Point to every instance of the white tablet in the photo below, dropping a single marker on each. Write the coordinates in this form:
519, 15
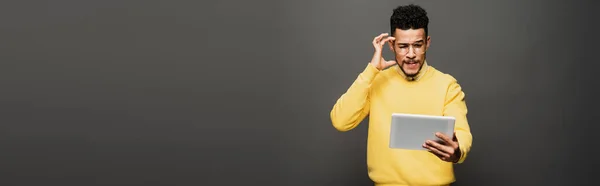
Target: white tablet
410, 131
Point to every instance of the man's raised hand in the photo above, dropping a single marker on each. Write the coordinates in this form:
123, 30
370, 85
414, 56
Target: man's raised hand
377, 61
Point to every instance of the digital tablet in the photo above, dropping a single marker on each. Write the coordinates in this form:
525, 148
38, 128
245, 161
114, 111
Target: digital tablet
410, 131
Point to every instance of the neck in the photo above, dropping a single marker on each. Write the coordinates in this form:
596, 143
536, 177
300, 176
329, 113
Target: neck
415, 77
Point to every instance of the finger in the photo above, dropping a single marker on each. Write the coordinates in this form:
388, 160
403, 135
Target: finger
436, 151
443, 148
390, 39
386, 40
378, 38
443, 137
381, 36
389, 63
438, 155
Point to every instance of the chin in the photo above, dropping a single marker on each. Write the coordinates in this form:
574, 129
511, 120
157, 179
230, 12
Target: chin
411, 74
411, 71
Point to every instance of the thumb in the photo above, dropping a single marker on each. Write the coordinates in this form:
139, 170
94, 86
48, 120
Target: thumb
390, 63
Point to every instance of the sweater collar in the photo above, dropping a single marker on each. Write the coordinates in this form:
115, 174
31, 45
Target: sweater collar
419, 74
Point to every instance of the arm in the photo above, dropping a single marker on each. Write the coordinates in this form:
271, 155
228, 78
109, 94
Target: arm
455, 106
353, 106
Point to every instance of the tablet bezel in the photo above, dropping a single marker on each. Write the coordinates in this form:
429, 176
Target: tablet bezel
410, 131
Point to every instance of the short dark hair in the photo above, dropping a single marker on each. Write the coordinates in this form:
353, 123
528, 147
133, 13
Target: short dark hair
409, 17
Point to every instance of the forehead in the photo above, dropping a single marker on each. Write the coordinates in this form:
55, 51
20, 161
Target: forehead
409, 36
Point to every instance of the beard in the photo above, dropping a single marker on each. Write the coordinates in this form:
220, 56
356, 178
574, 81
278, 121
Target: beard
410, 61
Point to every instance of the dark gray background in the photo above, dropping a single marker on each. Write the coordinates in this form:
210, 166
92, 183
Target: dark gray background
239, 92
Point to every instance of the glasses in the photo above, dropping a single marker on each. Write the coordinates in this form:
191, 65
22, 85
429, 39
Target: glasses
416, 48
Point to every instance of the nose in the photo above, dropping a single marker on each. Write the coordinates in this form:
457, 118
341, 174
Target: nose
411, 53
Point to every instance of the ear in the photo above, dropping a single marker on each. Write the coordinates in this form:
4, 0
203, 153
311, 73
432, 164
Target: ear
428, 43
391, 44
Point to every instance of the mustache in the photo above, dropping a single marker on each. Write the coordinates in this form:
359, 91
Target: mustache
410, 61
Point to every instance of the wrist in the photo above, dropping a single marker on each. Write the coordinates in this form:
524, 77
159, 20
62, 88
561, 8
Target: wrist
374, 66
376, 60
457, 154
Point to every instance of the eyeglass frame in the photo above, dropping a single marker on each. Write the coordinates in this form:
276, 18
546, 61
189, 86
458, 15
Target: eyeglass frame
411, 46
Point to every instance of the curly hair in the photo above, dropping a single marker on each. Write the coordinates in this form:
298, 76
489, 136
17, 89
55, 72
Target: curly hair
409, 17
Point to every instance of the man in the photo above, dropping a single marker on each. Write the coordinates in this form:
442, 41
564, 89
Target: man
405, 85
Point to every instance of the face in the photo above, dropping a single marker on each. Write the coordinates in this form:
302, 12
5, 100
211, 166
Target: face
409, 49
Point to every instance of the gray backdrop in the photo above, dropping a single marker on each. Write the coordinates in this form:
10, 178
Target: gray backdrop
239, 92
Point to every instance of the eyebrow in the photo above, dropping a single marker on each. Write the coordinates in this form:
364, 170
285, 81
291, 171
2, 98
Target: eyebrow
419, 41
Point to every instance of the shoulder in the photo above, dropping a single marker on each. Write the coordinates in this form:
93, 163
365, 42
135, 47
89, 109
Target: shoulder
448, 82
443, 77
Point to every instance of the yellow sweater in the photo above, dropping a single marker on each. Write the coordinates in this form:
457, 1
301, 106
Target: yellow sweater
378, 94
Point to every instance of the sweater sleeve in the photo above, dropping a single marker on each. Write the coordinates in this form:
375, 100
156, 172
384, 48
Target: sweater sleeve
455, 106
353, 106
